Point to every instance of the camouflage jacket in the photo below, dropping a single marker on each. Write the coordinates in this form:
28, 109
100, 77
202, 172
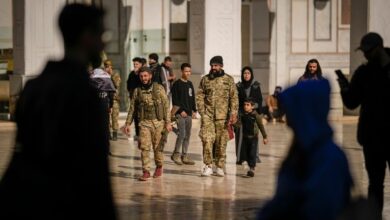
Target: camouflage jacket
116, 79
149, 101
217, 97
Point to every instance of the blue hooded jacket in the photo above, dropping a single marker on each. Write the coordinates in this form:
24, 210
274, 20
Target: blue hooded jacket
314, 181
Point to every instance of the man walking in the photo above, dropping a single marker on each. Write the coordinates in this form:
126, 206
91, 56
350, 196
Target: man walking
370, 88
133, 81
151, 104
217, 101
183, 98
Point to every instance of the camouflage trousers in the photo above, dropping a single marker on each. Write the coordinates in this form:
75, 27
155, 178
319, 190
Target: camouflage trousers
114, 116
214, 133
150, 135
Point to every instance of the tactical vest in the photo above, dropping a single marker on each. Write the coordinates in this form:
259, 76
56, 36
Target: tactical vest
150, 109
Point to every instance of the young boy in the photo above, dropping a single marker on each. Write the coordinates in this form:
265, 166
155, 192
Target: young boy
183, 100
251, 123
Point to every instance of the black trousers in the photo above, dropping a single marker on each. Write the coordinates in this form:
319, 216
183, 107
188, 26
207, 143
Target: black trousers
249, 150
377, 158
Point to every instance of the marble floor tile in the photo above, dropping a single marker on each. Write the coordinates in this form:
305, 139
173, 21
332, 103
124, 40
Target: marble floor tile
181, 193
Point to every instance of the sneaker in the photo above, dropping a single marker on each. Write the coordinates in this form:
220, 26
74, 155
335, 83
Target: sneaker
158, 172
220, 172
176, 158
187, 160
145, 176
245, 165
207, 171
251, 172
214, 168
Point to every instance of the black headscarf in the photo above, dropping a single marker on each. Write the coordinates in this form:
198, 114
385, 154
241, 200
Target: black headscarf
247, 84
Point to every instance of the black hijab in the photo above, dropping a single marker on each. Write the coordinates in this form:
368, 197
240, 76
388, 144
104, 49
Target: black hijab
247, 84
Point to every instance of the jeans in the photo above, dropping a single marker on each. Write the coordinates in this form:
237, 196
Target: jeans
184, 125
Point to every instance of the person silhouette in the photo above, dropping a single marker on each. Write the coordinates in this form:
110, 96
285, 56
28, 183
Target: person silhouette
314, 181
59, 167
369, 88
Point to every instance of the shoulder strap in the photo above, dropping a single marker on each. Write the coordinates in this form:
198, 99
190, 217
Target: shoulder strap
137, 94
155, 94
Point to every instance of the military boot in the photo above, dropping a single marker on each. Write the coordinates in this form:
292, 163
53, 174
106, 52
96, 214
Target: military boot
158, 172
176, 158
186, 160
145, 176
114, 135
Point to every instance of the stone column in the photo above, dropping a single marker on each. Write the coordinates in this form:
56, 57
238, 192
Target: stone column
36, 39
278, 52
215, 29
367, 16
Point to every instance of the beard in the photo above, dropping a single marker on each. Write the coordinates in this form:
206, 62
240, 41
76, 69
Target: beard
146, 84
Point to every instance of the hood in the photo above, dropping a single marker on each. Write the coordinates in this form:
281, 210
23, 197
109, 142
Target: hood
102, 81
307, 106
99, 73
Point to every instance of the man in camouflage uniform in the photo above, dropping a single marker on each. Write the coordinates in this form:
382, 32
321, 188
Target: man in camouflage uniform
152, 107
116, 79
217, 101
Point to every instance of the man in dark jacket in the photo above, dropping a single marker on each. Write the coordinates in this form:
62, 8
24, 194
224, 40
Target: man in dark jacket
59, 168
370, 89
133, 80
156, 68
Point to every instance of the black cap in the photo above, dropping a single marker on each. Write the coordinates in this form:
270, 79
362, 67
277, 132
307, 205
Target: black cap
370, 41
216, 60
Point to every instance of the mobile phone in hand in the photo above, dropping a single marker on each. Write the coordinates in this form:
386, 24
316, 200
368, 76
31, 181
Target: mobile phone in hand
339, 74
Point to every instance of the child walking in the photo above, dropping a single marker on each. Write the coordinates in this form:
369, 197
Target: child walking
251, 123
184, 102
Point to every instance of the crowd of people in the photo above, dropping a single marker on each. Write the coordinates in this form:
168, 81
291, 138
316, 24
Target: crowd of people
52, 176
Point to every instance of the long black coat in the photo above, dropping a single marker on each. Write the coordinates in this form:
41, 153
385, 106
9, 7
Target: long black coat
255, 94
59, 169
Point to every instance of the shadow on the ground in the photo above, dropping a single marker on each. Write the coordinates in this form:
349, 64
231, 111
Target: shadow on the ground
149, 206
138, 170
